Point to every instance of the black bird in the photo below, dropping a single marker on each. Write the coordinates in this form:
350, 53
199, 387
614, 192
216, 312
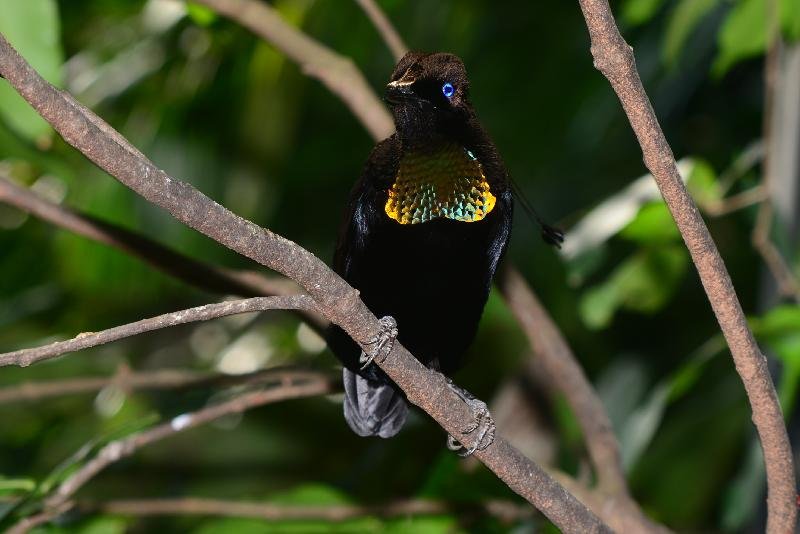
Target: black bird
424, 230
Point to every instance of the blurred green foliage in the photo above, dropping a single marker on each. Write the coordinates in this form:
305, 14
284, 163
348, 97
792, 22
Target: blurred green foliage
224, 111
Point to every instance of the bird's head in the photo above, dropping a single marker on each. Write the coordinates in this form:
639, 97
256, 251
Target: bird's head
428, 95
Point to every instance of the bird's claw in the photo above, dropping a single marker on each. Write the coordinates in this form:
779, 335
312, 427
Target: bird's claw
381, 345
482, 424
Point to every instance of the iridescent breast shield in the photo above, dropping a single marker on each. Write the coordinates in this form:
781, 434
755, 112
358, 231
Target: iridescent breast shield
447, 182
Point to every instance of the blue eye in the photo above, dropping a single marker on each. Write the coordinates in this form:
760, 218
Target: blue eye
448, 90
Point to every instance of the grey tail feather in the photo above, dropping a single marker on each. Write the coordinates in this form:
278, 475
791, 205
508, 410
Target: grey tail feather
373, 408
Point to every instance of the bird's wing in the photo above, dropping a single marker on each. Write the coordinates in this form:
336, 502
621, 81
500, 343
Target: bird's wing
363, 216
482, 146
365, 207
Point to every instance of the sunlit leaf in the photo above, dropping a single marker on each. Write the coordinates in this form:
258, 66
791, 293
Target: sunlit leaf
201, 15
643, 283
424, 525
703, 184
743, 495
743, 35
642, 424
637, 12
597, 306
585, 264
682, 21
318, 494
32, 27
103, 525
790, 19
779, 329
652, 225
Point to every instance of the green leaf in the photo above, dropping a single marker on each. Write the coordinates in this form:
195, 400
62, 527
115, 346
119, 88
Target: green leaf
104, 525
16, 485
641, 425
777, 322
200, 15
653, 225
424, 525
585, 264
33, 28
74, 462
790, 19
684, 18
637, 12
597, 306
703, 184
741, 499
743, 35
643, 283
779, 329
316, 494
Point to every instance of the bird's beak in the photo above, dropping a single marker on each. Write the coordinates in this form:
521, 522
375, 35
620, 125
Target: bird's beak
400, 90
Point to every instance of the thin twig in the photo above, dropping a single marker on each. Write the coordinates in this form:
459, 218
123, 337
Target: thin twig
128, 380
615, 59
506, 511
561, 366
335, 299
754, 195
385, 28
337, 72
25, 357
201, 275
27, 524
788, 284
611, 500
287, 388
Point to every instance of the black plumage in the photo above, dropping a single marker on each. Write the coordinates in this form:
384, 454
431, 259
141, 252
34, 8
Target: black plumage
427, 255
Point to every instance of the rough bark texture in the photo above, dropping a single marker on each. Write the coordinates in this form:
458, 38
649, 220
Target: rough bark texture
336, 300
614, 58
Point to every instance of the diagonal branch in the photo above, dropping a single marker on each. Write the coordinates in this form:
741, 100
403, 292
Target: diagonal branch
591, 422
130, 380
615, 59
611, 499
335, 299
336, 72
25, 357
287, 387
385, 28
556, 357
504, 510
202, 275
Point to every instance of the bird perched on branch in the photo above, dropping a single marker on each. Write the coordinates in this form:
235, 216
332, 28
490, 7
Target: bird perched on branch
424, 230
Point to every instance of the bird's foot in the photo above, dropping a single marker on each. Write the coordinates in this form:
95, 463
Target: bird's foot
380, 345
482, 426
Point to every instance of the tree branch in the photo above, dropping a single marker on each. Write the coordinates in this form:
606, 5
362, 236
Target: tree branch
266, 27
614, 58
27, 524
129, 380
561, 366
610, 500
504, 510
385, 28
199, 274
336, 72
85, 340
288, 387
336, 300
775, 142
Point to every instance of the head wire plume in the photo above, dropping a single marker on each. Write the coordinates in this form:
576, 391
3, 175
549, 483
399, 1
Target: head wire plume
550, 234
